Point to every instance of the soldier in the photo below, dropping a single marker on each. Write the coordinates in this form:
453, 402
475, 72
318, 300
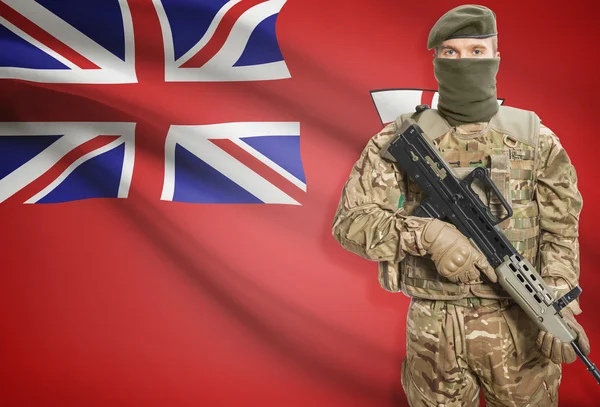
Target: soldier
463, 330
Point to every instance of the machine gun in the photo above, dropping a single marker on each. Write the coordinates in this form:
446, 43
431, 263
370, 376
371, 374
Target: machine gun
454, 200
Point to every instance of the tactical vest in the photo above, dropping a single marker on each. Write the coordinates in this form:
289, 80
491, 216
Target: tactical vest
508, 147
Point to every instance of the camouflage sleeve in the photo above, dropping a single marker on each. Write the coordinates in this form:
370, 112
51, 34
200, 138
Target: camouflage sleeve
560, 204
368, 220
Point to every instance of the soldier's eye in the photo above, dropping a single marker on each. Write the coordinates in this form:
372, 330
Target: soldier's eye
477, 52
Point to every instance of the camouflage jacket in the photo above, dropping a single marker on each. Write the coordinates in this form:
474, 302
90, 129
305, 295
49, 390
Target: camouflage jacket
370, 221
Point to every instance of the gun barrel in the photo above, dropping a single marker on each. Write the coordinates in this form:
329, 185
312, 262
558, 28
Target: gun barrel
588, 363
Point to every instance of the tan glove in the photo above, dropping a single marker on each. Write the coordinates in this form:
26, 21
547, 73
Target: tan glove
453, 254
562, 352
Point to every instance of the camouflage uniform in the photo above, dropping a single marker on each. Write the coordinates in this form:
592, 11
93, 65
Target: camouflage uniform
461, 336
453, 349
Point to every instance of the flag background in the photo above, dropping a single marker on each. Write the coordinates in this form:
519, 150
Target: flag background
138, 301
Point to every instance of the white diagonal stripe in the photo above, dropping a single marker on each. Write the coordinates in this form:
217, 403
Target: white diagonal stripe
220, 67
38, 165
66, 33
73, 135
240, 33
72, 168
270, 163
36, 43
196, 139
208, 34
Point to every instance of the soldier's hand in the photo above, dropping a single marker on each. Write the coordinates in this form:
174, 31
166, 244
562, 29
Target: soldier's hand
562, 352
453, 254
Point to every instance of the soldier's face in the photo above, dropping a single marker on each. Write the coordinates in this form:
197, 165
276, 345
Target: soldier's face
468, 48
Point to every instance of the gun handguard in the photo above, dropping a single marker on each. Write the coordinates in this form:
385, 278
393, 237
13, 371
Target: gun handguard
454, 200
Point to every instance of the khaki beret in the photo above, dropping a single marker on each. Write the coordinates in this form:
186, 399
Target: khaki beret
467, 21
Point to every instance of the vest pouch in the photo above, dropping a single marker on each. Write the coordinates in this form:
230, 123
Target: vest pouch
421, 279
500, 175
389, 277
523, 229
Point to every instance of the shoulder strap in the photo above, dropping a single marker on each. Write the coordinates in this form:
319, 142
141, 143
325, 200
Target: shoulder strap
400, 119
521, 125
433, 125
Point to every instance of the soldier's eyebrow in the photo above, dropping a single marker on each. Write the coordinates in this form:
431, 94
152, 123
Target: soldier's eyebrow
478, 45
445, 47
